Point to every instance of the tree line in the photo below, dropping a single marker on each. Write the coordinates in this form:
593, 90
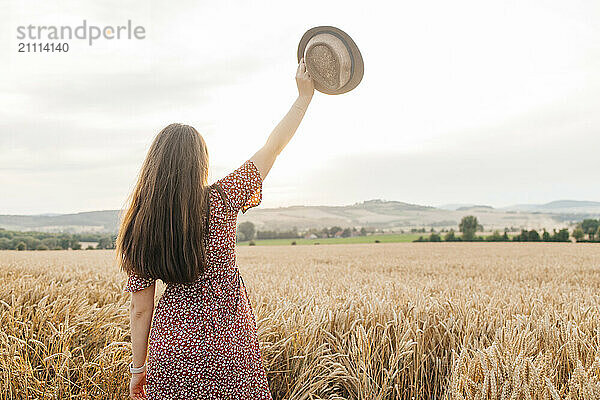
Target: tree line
247, 231
469, 225
586, 231
589, 228
32, 240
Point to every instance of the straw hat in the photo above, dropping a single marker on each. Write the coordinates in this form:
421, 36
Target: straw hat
332, 59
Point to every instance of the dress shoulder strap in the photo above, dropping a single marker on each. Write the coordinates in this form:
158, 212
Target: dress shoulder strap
221, 192
223, 197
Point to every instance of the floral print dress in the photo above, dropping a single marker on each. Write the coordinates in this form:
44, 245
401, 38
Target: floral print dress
203, 341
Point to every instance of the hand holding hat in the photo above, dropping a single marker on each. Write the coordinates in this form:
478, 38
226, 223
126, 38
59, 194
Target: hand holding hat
332, 59
306, 87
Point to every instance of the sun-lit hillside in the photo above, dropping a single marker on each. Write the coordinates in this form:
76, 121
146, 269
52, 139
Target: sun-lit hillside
380, 214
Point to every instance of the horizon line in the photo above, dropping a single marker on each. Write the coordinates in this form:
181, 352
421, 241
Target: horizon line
439, 206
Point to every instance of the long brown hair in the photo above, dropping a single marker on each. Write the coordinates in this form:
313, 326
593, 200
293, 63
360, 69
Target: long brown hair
162, 231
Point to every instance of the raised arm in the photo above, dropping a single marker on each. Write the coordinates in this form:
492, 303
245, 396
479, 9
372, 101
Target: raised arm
283, 132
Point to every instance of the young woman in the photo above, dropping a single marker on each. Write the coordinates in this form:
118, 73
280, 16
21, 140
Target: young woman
201, 339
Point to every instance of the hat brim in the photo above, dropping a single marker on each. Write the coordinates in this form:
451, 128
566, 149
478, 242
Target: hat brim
357, 66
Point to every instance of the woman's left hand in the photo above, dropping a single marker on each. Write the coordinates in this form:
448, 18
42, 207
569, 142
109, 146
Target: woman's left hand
136, 386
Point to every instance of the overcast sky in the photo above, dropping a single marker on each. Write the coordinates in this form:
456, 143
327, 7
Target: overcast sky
461, 102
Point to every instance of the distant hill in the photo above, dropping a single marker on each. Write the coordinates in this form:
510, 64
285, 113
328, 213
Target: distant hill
387, 215
395, 215
94, 221
454, 207
474, 208
560, 207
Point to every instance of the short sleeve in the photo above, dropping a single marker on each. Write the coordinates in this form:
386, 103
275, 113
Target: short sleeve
136, 283
243, 187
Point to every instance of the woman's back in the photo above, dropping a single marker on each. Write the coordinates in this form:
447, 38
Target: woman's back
203, 341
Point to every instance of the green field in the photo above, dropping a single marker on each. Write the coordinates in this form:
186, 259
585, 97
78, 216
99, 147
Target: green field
391, 238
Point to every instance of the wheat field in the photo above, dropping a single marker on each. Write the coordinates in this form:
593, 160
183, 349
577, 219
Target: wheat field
361, 321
